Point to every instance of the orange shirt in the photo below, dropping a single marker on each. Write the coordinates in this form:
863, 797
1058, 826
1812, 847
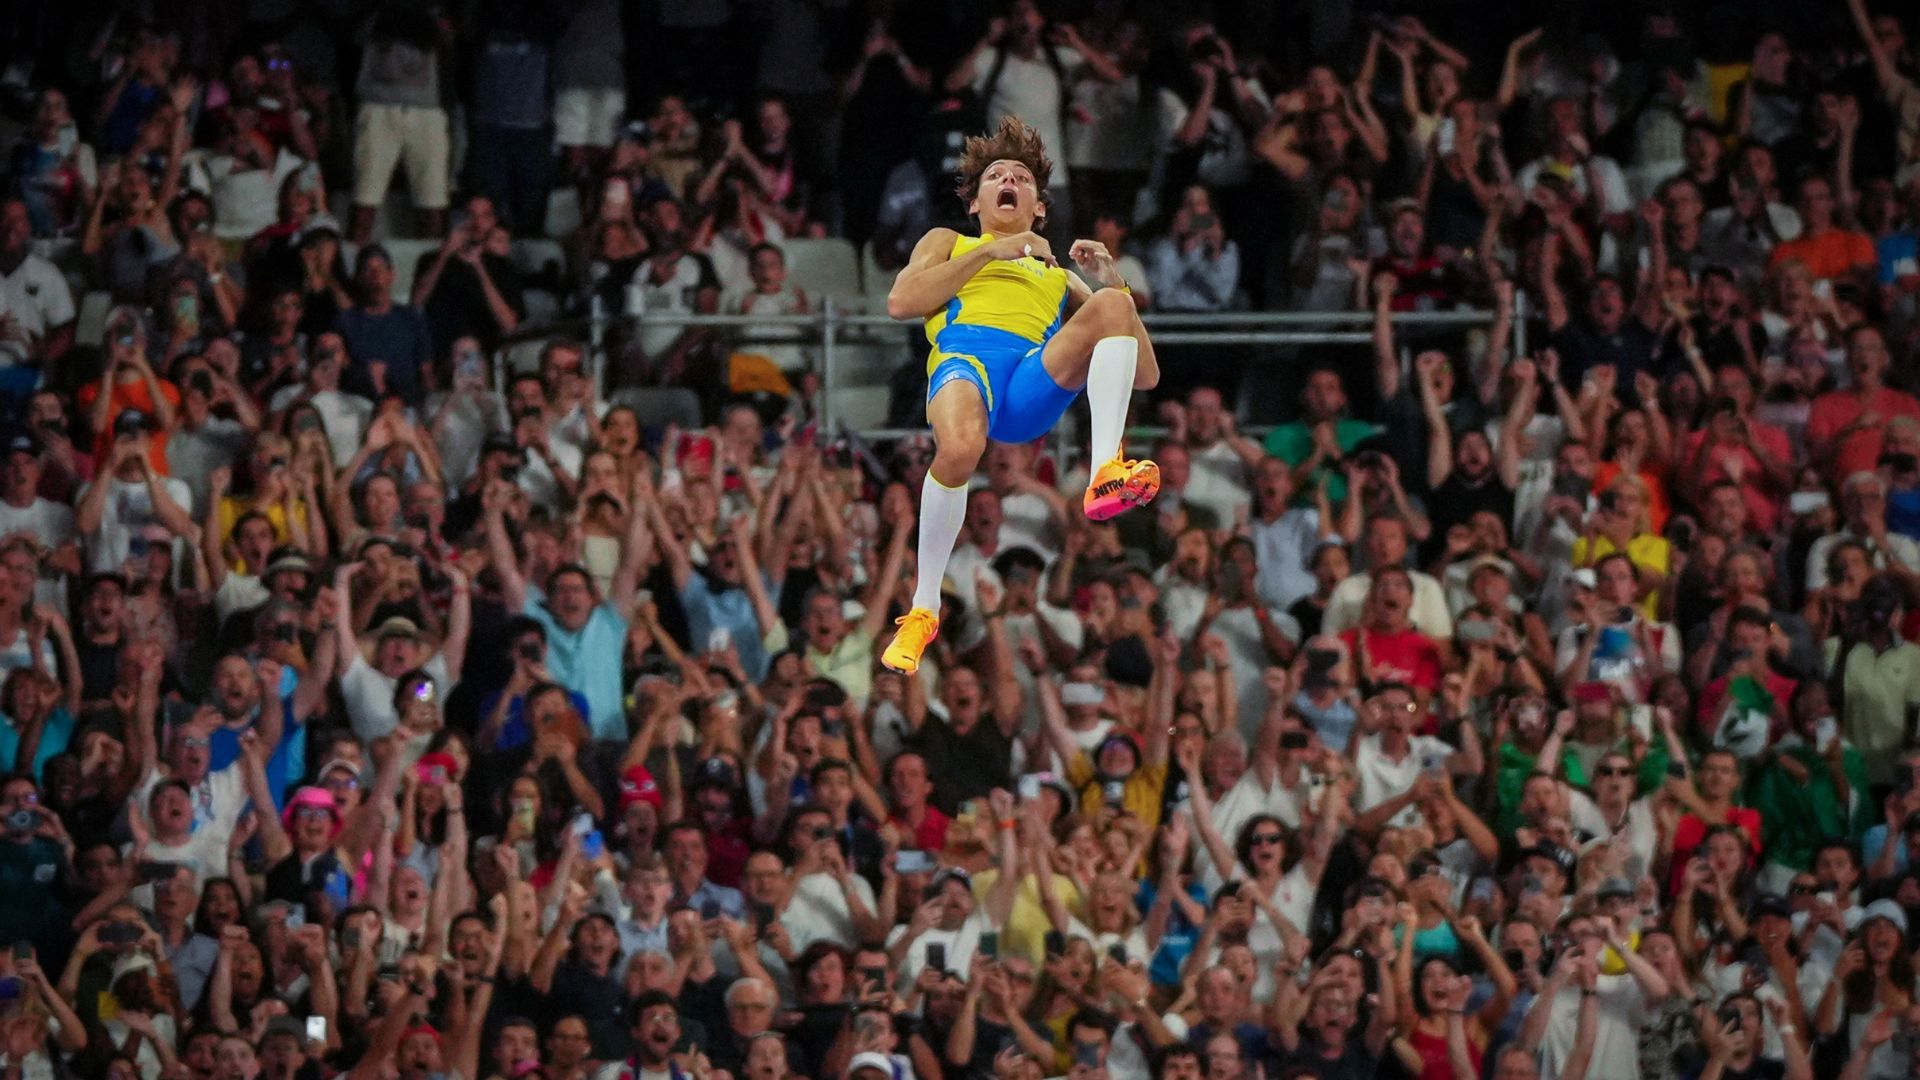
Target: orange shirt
1830, 255
1657, 505
129, 395
1859, 449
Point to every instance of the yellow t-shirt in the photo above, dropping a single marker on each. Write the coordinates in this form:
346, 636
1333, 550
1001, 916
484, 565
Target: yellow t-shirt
1645, 550
1026, 931
234, 507
1140, 795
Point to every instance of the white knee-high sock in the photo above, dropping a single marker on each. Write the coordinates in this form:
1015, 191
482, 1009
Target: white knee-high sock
942, 509
1109, 389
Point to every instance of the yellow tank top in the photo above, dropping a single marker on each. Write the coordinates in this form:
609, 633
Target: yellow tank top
1025, 297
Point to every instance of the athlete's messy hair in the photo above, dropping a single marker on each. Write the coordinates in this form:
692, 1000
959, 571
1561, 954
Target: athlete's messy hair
1014, 141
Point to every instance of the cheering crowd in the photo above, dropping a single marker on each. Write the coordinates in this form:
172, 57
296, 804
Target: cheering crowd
1493, 713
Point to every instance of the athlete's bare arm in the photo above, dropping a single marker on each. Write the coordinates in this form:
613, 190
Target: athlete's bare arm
932, 276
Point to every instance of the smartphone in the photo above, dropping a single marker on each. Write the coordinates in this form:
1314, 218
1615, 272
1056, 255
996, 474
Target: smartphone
1056, 943
1118, 953
990, 944
592, 845
317, 1029
912, 862
1825, 730
1293, 740
294, 920
1086, 1055
583, 824
762, 913
719, 639
1677, 770
709, 909
22, 950
1029, 788
1443, 139
937, 956
350, 938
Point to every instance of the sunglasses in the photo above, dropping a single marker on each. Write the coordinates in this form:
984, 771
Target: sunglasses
1263, 839
1803, 890
312, 813
1615, 770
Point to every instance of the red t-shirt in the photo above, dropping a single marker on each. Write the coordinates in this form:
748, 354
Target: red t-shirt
1714, 698
931, 836
1763, 501
1407, 656
1859, 451
1690, 831
130, 395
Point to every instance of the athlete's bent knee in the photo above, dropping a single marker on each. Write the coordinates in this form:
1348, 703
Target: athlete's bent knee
957, 453
1111, 311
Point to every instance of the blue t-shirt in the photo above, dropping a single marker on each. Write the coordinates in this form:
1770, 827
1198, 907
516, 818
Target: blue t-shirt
1335, 723
588, 662
57, 733
398, 339
1179, 939
730, 609
514, 732
289, 761
1898, 255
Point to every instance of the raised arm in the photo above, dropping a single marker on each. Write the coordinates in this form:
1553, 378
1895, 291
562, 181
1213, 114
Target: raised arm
933, 276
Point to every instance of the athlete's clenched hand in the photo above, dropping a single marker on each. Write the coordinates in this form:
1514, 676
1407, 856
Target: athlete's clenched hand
1095, 261
1020, 245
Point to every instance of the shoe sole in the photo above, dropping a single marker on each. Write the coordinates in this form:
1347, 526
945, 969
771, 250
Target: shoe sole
1137, 490
898, 668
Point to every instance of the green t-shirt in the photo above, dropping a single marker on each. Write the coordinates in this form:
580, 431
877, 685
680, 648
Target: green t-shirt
1293, 444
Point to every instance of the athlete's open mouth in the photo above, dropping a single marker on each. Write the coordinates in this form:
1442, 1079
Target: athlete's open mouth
1009, 198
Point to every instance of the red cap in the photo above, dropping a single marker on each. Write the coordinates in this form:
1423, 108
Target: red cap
637, 786
422, 1029
436, 768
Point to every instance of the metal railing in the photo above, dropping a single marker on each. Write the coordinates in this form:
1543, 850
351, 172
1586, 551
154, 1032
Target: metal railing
833, 328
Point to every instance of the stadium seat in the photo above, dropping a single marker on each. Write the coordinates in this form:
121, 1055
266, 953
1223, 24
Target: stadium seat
543, 308
563, 211
860, 408
524, 355
90, 328
827, 267
406, 256
876, 281
657, 407
540, 260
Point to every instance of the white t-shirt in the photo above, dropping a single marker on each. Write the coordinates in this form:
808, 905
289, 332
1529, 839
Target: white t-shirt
819, 911
1030, 90
129, 519
1614, 197
369, 695
345, 416
1381, 778
47, 521
1218, 483
1243, 802
246, 199
960, 945
217, 801
238, 592
1615, 1040
36, 298
1429, 615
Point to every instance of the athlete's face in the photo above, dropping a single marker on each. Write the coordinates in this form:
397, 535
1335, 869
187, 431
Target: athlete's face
1008, 196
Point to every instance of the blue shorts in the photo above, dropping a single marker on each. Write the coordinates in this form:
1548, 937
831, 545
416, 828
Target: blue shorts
1023, 402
